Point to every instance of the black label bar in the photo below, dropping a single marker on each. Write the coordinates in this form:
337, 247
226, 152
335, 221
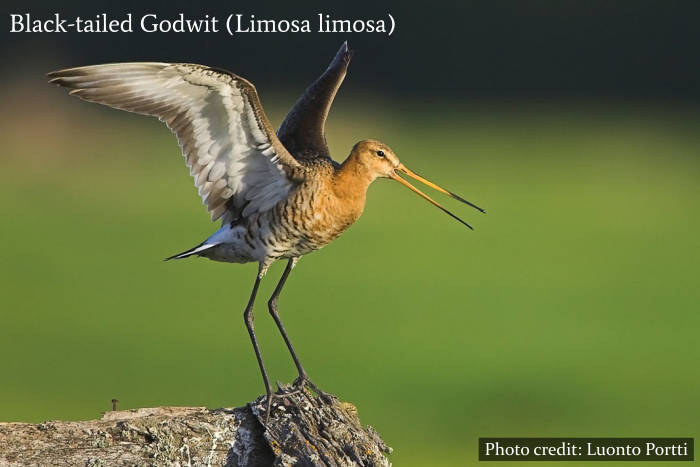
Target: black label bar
586, 449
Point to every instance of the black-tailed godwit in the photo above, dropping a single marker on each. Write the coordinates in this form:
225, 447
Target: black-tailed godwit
279, 196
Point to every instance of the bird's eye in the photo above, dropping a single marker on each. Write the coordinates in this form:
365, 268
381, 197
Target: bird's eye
380, 153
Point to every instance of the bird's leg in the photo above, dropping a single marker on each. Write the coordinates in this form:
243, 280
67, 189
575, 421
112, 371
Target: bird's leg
303, 378
272, 305
248, 318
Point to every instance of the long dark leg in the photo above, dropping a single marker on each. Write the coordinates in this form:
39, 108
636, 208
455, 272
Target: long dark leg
248, 318
272, 305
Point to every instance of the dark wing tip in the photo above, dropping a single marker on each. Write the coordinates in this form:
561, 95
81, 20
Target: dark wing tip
69, 72
65, 77
55, 75
344, 54
59, 81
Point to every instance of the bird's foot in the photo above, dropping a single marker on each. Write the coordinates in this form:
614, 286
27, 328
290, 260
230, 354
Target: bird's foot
303, 382
300, 385
281, 394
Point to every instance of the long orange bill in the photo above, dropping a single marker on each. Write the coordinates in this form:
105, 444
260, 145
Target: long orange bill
412, 174
402, 169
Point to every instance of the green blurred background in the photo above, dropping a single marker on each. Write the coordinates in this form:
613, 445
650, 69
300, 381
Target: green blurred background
571, 310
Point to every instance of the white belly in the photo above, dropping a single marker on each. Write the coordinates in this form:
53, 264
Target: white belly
244, 244
230, 245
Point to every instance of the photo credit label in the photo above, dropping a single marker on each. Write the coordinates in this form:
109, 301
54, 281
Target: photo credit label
587, 449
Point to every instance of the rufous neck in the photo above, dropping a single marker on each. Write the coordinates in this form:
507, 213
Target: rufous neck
352, 179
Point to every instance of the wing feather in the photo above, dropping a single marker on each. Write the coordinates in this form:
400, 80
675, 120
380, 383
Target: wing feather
238, 164
303, 130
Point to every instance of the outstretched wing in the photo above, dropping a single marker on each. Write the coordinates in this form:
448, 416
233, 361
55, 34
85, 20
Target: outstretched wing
238, 163
303, 130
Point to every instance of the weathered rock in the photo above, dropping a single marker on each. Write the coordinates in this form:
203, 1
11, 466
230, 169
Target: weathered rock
302, 430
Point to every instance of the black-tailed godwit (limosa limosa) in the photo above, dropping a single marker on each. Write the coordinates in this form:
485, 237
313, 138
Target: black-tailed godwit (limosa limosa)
279, 196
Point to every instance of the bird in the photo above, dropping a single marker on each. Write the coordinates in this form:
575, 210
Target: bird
279, 195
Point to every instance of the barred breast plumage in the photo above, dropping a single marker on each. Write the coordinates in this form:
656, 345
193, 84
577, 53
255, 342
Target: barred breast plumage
314, 214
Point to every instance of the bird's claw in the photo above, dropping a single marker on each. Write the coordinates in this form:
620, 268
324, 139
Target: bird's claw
300, 385
280, 394
303, 382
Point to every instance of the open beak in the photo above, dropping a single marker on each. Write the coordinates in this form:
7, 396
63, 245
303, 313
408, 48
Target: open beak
404, 170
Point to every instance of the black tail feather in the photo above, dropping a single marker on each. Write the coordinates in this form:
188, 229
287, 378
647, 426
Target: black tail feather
192, 251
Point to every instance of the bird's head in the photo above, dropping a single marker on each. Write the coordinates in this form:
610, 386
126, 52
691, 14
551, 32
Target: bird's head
381, 162
378, 158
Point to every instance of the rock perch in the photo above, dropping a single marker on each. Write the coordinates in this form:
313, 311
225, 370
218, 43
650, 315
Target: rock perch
303, 430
